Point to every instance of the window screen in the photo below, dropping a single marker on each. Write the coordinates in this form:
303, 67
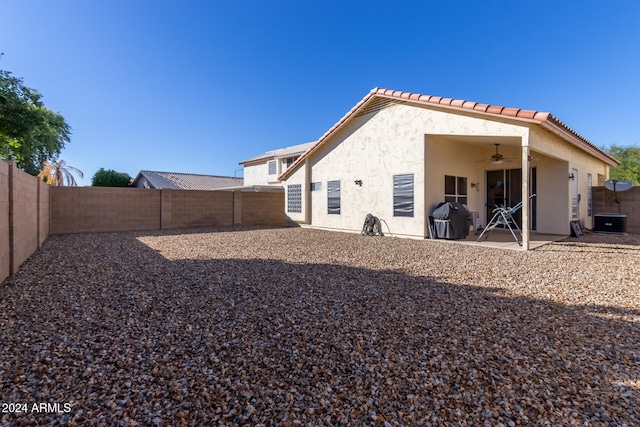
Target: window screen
403, 195
333, 197
272, 167
294, 198
589, 197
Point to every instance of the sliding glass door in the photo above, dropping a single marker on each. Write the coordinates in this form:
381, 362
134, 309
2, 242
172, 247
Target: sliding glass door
504, 188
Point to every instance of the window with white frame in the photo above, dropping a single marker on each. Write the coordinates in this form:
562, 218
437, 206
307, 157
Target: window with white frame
455, 189
288, 162
272, 167
316, 186
403, 195
333, 197
294, 198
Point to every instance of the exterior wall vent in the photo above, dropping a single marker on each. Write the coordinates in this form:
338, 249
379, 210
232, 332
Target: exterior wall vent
378, 105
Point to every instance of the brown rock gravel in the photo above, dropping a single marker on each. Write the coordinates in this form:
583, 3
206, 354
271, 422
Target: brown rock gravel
306, 327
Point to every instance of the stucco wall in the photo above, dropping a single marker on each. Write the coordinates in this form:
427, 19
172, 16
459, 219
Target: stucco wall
258, 174
449, 156
372, 148
394, 140
552, 195
255, 174
555, 188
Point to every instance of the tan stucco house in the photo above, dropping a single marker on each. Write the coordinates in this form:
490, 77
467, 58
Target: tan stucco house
397, 155
265, 168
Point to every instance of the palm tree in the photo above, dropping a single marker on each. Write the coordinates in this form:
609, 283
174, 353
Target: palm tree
59, 174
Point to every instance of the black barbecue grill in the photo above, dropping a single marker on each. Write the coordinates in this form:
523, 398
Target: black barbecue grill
451, 220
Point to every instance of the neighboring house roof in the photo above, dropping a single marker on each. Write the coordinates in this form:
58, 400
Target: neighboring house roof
280, 153
378, 98
185, 181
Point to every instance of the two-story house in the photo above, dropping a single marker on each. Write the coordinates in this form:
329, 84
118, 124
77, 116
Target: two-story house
265, 168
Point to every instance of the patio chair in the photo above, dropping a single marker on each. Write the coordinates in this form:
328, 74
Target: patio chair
503, 216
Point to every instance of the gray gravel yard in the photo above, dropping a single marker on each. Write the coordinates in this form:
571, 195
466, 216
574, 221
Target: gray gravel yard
294, 326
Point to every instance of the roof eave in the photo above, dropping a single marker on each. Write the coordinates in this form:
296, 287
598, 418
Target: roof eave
294, 166
558, 129
544, 119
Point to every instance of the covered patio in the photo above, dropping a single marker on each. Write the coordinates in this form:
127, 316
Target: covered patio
502, 239
498, 170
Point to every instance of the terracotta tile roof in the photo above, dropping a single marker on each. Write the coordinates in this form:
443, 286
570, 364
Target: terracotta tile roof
184, 181
543, 118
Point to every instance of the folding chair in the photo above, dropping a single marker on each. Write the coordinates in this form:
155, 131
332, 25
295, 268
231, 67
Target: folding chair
504, 216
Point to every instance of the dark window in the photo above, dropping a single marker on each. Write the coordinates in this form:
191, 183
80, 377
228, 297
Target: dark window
403, 195
333, 197
316, 186
272, 167
288, 162
455, 189
294, 198
589, 197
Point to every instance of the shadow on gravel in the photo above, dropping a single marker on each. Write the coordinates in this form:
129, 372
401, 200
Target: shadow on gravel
106, 324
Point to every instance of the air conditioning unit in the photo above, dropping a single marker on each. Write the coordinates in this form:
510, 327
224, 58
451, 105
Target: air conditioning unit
609, 223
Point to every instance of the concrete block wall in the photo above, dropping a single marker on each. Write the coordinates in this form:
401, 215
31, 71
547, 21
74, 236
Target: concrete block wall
43, 212
31, 210
604, 201
23, 217
193, 208
5, 249
264, 208
100, 209
103, 209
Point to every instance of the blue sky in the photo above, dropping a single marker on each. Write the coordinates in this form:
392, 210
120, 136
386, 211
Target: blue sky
197, 86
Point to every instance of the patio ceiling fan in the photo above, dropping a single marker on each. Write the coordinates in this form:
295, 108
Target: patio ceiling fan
497, 158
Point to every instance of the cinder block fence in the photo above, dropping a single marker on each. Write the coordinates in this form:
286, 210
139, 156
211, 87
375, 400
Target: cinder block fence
604, 201
24, 217
31, 210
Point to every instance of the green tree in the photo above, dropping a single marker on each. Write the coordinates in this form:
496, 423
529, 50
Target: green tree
110, 178
30, 134
629, 168
59, 173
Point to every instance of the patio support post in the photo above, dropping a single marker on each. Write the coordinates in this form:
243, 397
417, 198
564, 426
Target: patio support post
526, 214
306, 193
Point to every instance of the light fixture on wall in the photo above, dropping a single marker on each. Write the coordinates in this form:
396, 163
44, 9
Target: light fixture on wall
572, 176
358, 182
